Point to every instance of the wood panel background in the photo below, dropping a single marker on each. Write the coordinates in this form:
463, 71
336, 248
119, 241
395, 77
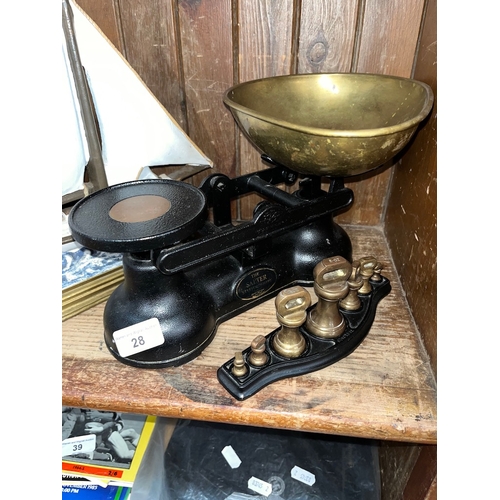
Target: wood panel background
410, 225
411, 214
189, 52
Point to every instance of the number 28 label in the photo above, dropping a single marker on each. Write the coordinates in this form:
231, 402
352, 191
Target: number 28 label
139, 337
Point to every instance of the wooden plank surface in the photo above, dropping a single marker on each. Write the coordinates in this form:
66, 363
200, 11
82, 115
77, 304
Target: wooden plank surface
206, 37
387, 38
383, 390
151, 45
265, 39
327, 36
411, 216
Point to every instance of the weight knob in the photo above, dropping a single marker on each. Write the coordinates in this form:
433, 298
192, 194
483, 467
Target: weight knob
377, 270
291, 312
330, 285
367, 266
352, 302
258, 356
239, 367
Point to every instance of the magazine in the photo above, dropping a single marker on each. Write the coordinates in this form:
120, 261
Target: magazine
95, 492
102, 446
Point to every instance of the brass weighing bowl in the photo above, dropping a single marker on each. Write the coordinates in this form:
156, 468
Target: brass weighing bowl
332, 124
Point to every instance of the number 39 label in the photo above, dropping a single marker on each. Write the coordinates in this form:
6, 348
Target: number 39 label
78, 444
139, 337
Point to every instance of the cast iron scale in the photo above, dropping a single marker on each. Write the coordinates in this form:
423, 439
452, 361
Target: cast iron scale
190, 268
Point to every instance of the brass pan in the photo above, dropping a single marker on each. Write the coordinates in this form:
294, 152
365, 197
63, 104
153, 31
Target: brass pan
332, 124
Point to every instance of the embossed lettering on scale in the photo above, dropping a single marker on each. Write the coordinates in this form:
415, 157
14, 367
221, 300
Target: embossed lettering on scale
255, 283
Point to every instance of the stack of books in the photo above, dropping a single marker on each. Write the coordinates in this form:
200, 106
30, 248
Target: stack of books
88, 277
102, 452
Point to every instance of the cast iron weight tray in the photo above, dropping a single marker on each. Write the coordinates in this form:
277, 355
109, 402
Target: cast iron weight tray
319, 352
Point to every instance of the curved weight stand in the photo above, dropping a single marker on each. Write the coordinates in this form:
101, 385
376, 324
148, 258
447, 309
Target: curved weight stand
318, 354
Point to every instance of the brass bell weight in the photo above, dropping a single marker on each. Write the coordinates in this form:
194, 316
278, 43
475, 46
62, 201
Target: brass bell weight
352, 302
291, 312
331, 286
239, 367
258, 356
367, 268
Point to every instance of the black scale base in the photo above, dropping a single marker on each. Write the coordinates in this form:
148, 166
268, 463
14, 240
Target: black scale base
192, 273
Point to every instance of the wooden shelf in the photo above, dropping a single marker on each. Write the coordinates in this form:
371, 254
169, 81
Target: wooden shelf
383, 390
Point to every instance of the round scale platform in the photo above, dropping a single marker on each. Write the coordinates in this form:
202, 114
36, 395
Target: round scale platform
138, 216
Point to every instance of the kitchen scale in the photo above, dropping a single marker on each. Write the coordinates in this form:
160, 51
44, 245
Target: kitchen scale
188, 266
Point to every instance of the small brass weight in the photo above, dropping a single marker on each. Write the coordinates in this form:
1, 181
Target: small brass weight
352, 302
367, 268
239, 367
291, 306
258, 356
331, 285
